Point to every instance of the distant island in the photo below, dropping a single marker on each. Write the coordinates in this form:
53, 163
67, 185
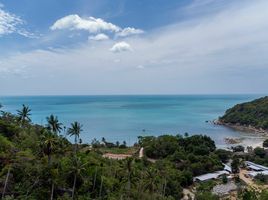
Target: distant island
249, 116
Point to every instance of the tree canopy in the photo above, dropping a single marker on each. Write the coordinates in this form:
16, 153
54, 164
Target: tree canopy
254, 113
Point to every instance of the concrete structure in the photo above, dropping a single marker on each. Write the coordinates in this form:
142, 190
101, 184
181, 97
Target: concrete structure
224, 189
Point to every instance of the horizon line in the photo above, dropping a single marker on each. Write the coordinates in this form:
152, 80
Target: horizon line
160, 94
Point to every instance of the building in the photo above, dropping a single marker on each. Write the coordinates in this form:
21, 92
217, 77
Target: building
253, 174
209, 176
255, 167
205, 177
227, 168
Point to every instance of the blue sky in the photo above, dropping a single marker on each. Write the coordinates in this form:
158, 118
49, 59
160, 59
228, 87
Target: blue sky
133, 47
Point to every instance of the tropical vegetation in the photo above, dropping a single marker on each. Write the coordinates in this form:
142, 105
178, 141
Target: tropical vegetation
40, 162
254, 113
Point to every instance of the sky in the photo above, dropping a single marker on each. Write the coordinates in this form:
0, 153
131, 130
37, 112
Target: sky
104, 47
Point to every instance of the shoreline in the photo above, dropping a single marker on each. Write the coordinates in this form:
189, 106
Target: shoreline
258, 133
243, 128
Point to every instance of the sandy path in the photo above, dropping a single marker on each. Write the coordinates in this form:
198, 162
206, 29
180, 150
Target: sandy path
250, 182
141, 154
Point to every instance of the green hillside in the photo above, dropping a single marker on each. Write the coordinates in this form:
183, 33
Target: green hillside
254, 113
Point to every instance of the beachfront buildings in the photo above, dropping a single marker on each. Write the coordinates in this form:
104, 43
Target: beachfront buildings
256, 169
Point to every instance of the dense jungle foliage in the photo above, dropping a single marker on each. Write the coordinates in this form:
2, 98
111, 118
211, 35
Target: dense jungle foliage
254, 113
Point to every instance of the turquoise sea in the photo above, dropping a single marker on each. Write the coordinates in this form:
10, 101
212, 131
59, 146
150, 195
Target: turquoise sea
125, 117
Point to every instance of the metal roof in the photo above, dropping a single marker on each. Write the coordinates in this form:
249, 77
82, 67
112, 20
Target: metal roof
253, 174
255, 166
209, 176
227, 168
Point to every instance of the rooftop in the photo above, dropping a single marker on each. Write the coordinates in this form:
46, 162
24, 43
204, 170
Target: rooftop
209, 176
253, 174
255, 166
227, 168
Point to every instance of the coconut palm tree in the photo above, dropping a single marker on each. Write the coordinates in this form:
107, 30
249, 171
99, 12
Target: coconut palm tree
54, 173
53, 124
150, 183
9, 162
77, 169
75, 130
129, 172
24, 114
6, 182
49, 142
130, 176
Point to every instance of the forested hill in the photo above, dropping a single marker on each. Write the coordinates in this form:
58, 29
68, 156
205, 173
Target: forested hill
254, 113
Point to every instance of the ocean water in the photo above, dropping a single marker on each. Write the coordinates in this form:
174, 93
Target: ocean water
119, 118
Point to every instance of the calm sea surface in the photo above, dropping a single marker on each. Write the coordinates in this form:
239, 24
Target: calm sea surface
124, 117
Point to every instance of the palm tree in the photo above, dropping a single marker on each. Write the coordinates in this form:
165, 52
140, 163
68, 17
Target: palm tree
75, 130
49, 142
24, 114
53, 124
130, 177
54, 173
8, 161
77, 169
6, 181
129, 172
150, 176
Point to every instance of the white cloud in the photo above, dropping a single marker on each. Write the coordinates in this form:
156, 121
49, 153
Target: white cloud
120, 47
91, 24
99, 37
8, 22
129, 31
215, 54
